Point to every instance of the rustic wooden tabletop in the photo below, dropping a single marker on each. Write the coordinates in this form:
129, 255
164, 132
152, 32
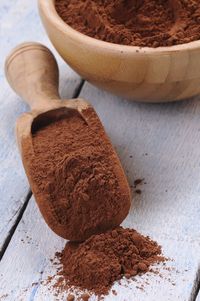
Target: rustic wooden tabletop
160, 143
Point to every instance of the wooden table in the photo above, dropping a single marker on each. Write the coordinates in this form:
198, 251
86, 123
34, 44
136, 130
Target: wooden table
160, 143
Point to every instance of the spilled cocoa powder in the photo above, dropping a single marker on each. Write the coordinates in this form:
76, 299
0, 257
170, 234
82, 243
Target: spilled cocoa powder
70, 297
76, 176
105, 258
151, 23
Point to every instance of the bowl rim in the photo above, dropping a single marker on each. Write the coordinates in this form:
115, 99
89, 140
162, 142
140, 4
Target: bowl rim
47, 7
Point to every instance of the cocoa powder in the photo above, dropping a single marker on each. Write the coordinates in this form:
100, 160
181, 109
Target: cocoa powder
76, 176
142, 23
102, 259
70, 297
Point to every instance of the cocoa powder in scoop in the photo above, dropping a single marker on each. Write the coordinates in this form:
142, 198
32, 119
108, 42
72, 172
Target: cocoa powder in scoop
102, 259
149, 23
75, 176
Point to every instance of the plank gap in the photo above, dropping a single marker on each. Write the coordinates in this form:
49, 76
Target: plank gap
196, 287
14, 227
78, 89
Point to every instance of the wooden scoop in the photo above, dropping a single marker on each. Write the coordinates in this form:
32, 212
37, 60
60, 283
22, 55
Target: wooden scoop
32, 72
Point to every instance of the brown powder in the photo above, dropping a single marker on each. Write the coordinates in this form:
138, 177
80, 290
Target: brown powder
85, 297
138, 182
70, 297
149, 23
102, 259
76, 176
138, 191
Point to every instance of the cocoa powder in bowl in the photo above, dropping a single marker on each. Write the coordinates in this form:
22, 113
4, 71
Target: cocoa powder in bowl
76, 176
143, 23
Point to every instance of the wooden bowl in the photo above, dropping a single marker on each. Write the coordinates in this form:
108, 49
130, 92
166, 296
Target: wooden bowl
141, 74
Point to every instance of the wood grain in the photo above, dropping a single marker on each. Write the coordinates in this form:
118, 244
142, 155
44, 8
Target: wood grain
159, 143
16, 17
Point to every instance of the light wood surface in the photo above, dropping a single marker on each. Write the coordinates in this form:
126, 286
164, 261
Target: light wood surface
32, 72
16, 17
141, 74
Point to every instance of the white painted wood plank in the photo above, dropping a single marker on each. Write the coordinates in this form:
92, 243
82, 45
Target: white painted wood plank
27, 261
19, 21
161, 144
164, 142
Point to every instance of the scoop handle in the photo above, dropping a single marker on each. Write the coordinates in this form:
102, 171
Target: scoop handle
32, 72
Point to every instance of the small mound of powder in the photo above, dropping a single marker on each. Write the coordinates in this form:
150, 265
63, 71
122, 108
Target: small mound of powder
143, 23
104, 258
76, 176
